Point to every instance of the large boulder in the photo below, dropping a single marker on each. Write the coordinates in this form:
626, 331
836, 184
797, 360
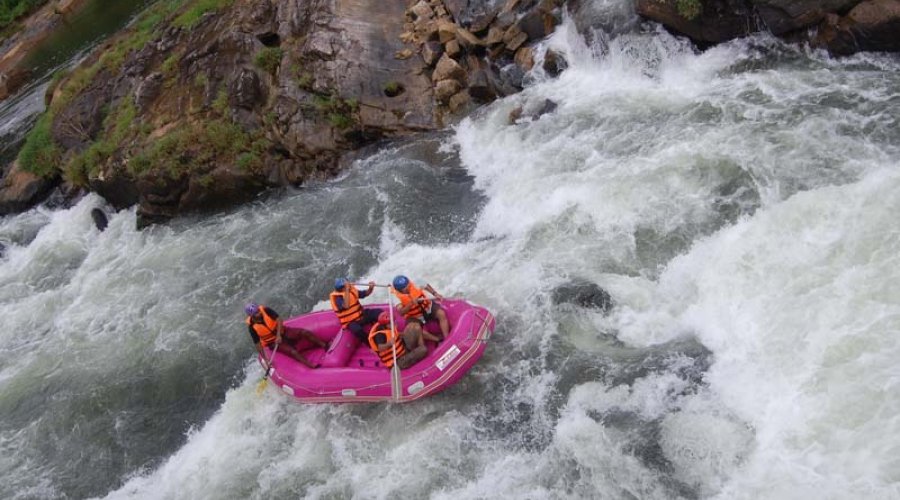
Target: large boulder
873, 25
783, 16
20, 190
717, 21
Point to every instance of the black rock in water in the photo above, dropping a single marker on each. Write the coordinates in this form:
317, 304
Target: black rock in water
583, 294
100, 219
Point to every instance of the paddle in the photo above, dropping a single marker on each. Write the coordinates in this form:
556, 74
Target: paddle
261, 386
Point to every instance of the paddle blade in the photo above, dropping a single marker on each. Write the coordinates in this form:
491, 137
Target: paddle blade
261, 386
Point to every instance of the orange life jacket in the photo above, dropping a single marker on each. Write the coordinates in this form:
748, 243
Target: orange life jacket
386, 355
267, 330
412, 294
352, 311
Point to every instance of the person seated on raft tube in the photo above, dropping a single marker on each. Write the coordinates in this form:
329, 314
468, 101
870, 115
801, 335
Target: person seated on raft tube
418, 309
352, 315
266, 328
410, 346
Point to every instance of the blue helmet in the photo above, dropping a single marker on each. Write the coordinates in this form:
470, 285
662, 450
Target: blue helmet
340, 283
400, 282
251, 308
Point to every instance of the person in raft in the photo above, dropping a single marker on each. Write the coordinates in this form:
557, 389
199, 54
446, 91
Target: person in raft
418, 309
383, 340
266, 328
345, 303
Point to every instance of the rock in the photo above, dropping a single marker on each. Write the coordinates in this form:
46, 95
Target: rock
535, 24
531, 111
447, 69
783, 16
458, 102
446, 31
719, 20
524, 58
513, 75
515, 115
431, 52
403, 54
21, 190
494, 36
583, 294
452, 49
873, 25
513, 44
421, 12
554, 63
445, 89
480, 87
612, 18
78, 123
547, 106
466, 39
99, 218
245, 90
148, 90
12, 81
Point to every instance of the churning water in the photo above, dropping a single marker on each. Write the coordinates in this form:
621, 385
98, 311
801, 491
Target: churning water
739, 205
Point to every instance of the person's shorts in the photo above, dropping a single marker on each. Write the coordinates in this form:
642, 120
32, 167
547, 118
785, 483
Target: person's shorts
430, 315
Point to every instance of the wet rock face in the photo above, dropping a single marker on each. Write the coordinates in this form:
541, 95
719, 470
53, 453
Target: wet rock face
784, 16
842, 26
873, 25
717, 21
307, 81
20, 190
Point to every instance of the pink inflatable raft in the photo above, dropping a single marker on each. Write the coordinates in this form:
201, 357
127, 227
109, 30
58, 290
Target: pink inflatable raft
351, 372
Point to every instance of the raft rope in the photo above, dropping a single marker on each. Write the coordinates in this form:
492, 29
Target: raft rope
396, 378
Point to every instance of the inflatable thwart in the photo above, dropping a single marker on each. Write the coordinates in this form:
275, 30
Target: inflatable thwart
350, 372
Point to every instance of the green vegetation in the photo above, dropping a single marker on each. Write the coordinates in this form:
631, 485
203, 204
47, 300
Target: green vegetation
40, 155
11, 10
341, 113
190, 17
268, 59
194, 147
168, 66
689, 9
305, 80
117, 127
393, 89
198, 146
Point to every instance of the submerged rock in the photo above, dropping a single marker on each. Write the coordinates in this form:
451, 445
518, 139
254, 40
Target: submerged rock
583, 294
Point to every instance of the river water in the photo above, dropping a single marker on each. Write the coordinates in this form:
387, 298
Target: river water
739, 205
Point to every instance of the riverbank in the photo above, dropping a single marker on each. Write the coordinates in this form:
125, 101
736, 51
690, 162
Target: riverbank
202, 105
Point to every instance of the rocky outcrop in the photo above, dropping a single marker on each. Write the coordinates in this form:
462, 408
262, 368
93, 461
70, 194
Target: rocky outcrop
873, 25
781, 17
264, 94
204, 114
20, 190
842, 26
716, 21
478, 51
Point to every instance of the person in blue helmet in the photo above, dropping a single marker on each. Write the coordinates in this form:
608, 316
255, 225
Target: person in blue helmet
267, 330
418, 309
352, 315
